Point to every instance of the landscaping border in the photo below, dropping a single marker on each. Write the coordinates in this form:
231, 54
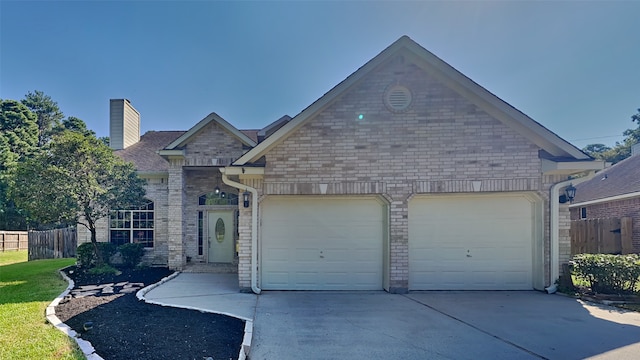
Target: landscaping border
245, 348
84, 345
88, 349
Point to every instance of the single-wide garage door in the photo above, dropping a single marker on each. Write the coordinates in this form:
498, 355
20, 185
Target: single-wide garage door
475, 242
314, 243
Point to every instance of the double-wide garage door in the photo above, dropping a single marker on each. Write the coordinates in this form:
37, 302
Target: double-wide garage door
471, 242
313, 243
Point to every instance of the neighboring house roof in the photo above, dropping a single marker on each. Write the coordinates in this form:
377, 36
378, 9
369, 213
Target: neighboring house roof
143, 154
251, 134
268, 130
620, 179
535, 132
213, 117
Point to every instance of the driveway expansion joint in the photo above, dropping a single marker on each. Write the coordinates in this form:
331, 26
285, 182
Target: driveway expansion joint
477, 328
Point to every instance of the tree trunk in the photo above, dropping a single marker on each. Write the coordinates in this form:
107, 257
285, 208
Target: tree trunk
94, 241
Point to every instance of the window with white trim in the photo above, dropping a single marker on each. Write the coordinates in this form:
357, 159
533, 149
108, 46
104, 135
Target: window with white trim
583, 213
132, 225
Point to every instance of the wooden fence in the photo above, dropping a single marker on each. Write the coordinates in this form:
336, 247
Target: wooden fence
601, 236
13, 240
53, 244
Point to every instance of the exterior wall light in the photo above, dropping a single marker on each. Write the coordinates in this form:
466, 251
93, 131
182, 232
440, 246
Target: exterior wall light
570, 191
245, 199
216, 190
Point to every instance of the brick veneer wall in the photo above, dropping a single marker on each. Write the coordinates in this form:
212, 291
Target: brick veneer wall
157, 191
611, 209
442, 143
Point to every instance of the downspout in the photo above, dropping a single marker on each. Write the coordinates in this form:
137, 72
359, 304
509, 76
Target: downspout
254, 227
554, 231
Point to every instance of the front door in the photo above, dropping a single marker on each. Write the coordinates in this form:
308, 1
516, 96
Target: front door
221, 229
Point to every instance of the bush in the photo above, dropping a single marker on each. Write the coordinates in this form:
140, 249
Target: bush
608, 274
131, 254
104, 269
87, 258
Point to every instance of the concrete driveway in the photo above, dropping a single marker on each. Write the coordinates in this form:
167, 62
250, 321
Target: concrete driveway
439, 325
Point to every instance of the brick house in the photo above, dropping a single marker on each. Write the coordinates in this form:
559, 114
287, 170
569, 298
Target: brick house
612, 193
405, 176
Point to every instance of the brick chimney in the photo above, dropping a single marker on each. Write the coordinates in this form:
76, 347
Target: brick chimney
124, 124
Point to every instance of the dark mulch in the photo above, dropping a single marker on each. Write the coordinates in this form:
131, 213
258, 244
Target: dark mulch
125, 328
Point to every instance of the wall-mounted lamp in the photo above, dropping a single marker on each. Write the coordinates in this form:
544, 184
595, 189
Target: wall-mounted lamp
217, 190
570, 191
223, 195
245, 198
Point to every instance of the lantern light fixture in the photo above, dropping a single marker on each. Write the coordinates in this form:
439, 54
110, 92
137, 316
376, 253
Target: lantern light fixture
245, 198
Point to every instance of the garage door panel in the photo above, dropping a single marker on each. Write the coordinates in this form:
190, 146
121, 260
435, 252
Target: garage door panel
481, 242
336, 244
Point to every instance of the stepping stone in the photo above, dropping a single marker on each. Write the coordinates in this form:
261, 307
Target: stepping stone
128, 290
90, 287
107, 290
85, 293
124, 283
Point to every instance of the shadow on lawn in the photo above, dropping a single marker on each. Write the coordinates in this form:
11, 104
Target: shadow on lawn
32, 281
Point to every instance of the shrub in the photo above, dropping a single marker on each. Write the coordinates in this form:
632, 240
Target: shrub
87, 258
608, 274
104, 269
131, 254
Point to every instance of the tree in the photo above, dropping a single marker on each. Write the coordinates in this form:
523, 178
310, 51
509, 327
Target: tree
18, 140
47, 111
74, 124
621, 150
595, 150
76, 179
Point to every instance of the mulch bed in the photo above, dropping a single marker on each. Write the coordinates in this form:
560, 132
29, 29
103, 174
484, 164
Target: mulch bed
124, 328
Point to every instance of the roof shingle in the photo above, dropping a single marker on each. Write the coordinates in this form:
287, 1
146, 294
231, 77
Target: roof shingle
621, 178
143, 153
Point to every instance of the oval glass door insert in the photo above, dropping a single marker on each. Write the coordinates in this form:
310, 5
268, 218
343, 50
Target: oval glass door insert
220, 230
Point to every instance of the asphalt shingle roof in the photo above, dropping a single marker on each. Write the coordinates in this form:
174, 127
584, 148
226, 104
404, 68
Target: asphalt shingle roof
621, 178
143, 153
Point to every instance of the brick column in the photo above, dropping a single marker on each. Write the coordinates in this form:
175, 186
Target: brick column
399, 237
177, 258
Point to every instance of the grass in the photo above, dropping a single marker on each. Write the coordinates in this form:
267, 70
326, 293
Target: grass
26, 288
12, 257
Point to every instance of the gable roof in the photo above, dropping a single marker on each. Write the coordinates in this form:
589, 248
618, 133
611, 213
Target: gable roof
620, 179
213, 117
535, 132
143, 154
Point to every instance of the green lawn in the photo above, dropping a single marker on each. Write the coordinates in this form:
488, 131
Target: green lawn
26, 288
11, 257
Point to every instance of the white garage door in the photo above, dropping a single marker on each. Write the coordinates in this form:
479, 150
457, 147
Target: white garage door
312, 243
481, 242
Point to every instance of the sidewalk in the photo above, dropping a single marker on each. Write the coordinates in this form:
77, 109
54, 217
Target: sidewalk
216, 293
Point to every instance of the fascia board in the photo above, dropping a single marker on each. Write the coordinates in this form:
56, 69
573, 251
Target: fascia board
240, 170
552, 167
176, 152
607, 199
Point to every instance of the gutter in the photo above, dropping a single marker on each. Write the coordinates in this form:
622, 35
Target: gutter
254, 227
554, 230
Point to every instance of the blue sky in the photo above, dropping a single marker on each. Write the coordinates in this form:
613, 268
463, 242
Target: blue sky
572, 66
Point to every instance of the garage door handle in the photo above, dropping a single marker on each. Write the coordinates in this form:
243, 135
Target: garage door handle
469, 255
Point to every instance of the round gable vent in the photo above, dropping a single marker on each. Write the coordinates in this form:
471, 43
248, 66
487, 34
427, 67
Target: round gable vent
397, 98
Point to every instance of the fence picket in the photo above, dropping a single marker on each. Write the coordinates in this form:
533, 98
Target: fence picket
601, 236
53, 244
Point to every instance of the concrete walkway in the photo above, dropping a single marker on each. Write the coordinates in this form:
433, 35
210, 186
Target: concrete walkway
217, 293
